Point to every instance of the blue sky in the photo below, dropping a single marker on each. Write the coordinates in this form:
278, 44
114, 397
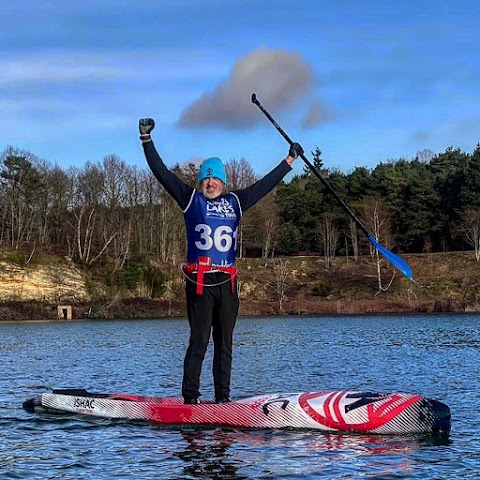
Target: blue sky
364, 81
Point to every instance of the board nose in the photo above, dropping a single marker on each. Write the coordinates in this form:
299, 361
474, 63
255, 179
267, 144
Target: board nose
442, 417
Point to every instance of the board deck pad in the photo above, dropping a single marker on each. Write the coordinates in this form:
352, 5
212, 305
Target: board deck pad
329, 411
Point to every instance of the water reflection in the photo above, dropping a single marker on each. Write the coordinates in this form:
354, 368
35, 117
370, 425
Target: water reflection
233, 454
206, 455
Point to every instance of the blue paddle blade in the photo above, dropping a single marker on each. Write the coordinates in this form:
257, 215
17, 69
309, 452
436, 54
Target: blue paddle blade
398, 262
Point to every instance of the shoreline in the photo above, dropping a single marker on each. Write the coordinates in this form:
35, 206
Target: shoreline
138, 308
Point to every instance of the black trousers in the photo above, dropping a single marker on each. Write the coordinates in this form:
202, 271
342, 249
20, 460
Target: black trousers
213, 312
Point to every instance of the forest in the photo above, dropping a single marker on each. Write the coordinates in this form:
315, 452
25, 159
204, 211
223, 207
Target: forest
113, 217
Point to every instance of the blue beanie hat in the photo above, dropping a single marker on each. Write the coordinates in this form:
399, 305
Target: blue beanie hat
212, 167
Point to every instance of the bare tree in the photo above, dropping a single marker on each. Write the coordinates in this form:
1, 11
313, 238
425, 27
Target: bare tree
161, 230
60, 201
379, 221
353, 235
260, 224
282, 280
84, 225
90, 185
91, 237
471, 228
270, 226
240, 174
148, 206
116, 221
172, 230
328, 238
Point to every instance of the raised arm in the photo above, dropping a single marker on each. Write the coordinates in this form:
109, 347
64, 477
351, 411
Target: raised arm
252, 194
179, 190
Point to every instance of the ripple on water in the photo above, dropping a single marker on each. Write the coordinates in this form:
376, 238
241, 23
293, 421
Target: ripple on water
435, 356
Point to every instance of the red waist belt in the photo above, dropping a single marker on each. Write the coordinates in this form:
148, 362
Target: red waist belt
201, 267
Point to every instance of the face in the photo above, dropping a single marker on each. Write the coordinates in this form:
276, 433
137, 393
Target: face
211, 187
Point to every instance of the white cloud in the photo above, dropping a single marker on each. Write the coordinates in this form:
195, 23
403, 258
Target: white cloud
75, 65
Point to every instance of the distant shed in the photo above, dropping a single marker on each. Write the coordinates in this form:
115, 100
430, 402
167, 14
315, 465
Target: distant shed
253, 250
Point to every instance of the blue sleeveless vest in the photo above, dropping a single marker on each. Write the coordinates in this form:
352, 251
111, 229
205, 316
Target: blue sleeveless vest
212, 228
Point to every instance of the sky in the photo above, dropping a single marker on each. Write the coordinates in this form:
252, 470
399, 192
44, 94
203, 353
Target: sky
365, 82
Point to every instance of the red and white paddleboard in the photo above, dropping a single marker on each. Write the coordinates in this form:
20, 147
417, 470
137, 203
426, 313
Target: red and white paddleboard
337, 411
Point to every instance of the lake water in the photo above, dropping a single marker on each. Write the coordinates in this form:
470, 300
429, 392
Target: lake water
436, 356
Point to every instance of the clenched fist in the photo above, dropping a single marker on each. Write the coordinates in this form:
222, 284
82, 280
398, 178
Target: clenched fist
146, 125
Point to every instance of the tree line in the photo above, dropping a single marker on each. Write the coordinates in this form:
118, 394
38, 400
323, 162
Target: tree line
430, 203
113, 212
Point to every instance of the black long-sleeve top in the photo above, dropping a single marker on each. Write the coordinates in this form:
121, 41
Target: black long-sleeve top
182, 192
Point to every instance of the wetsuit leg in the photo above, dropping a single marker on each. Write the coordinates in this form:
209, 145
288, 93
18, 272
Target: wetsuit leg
224, 319
200, 313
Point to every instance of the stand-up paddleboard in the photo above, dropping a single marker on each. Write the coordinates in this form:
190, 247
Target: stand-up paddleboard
338, 411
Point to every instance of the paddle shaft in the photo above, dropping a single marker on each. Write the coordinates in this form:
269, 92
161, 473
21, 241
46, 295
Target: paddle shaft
312, 168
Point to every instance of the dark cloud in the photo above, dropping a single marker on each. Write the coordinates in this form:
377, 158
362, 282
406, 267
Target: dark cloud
317, 113
278, 78
422, 136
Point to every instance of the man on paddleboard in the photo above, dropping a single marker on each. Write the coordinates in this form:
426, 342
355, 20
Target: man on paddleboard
212, 217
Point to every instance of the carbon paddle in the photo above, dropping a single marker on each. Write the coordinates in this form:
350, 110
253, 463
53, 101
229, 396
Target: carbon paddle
398, 262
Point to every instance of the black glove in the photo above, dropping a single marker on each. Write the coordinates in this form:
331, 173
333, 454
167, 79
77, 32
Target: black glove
295, 150
146, 125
